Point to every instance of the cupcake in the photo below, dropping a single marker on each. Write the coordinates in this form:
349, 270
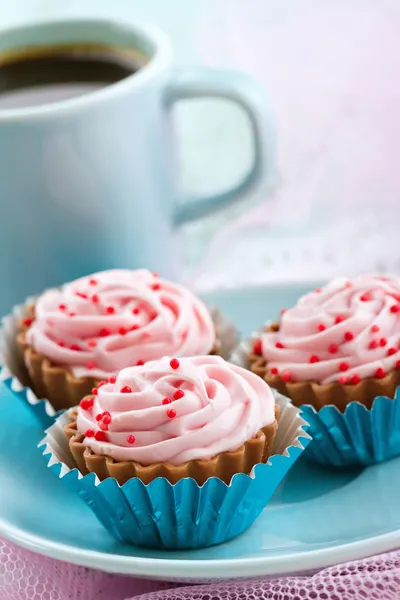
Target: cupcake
339, 347
91, 328
177, 445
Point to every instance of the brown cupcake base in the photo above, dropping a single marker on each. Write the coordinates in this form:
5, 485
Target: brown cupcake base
223, 466
319, 395
54, 382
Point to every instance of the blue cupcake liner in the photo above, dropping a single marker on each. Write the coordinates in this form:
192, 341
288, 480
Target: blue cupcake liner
357, 437
42, 409
184, 515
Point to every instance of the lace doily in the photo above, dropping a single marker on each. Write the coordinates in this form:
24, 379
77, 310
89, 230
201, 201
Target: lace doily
28, 576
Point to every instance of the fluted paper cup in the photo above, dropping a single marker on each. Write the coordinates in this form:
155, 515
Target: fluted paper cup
184, 514
358, 436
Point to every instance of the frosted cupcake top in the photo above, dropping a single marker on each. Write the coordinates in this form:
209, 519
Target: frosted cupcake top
346, 331
175, 410
100, 324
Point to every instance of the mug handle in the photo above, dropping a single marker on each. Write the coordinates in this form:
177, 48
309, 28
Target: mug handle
200, 82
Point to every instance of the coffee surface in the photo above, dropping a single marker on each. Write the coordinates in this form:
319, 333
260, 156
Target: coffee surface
34, 78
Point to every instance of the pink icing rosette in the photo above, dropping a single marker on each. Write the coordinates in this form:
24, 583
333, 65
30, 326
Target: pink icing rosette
345, 332
100, 324
175, 411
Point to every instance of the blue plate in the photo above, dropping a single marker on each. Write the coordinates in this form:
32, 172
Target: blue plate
317, 517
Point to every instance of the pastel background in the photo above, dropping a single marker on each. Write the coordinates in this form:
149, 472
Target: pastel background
331, 72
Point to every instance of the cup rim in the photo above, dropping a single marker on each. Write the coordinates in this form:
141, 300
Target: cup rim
157, 64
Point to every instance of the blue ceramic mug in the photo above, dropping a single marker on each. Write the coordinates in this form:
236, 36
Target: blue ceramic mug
87, 183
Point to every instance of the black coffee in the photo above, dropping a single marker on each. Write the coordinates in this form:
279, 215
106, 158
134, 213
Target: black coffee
35, 77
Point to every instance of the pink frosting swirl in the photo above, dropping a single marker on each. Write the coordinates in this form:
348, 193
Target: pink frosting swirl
175, 411
345, 331
100, 324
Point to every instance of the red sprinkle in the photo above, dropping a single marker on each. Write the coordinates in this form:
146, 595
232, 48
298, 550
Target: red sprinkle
174, 363
92, 343
333, 348
355, 379
131, 439
343, 379
86, 403
140, 363
398, 364
283, 311
135, 311
166, 401
89, 433
279, 345
104, 332
95, 299
380, 373
365, 297
383, 342
257, 346
171, 413
348, 284
321, 327
92, 281
62, 306
155, 286
373, 344
348, 336
122, 331
90, 364
61, 344
135, 327
81, 295
107, 419
95, 391
100, 436
395, 308
112, 379
103, 426
287, 376
75, 347
126, 389
339, 319
391, 351
314, 358
103, 382
274, 371
72, 314
343, 366
375, 328
27, 321
110, 310
317, 290
99, 417
178, 394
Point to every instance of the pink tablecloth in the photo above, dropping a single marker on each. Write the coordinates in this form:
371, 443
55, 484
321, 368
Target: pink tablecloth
28, 576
